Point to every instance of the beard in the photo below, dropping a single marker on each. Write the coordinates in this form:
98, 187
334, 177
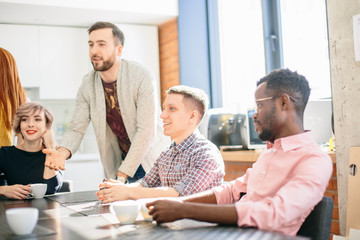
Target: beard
105, 66
265, 135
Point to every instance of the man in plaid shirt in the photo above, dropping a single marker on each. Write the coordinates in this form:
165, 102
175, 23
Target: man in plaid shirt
190, 165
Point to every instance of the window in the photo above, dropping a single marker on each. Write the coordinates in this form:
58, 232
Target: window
304, 47
241, 51
305, 43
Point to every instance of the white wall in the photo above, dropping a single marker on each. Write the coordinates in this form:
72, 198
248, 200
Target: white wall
345, 74
56, 58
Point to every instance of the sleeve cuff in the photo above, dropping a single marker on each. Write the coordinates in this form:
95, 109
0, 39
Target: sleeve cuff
179, 187
143, 183
54, 184
218, 191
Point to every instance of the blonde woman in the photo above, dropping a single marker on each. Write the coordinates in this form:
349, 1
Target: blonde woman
25, 163
12, 95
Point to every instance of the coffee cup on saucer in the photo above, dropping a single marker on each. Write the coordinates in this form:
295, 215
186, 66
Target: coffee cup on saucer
38, 190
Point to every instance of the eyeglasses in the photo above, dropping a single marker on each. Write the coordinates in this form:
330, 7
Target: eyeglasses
259, 105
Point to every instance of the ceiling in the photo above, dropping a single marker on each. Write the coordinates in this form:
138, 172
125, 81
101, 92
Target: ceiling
21, 12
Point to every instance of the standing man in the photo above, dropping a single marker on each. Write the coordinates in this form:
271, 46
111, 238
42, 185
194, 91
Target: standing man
284, 184
119, 97
190, 165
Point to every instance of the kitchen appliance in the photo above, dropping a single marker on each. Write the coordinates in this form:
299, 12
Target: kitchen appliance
225, 129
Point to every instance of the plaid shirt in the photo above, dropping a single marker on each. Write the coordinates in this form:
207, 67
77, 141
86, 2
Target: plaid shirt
192, 166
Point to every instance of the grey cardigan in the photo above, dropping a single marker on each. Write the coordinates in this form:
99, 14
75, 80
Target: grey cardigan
140, 112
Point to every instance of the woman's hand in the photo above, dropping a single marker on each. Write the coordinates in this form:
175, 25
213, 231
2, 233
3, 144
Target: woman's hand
49, 139
16, 191
20, 140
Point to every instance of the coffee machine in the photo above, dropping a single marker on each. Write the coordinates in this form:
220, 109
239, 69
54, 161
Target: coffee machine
225, 129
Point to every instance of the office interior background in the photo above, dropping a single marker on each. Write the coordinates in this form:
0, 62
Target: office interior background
222, 46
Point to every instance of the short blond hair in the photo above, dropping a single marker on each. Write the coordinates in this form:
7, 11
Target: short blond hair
197, 97
26, 109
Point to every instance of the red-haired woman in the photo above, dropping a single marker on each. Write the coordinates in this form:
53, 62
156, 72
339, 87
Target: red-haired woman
12, 95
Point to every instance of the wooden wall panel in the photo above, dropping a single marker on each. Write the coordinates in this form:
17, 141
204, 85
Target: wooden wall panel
169, 56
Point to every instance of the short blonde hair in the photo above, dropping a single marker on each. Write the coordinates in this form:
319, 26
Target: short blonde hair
26, 109
195, 96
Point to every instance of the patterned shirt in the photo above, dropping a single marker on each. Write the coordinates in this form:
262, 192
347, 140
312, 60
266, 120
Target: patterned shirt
192, 166
283, 186
113, 116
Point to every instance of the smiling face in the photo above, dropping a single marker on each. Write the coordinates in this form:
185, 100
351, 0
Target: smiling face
33, 126
103, 49
179, 120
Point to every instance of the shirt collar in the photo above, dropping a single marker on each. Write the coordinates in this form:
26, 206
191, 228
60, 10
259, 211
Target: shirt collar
291, 142
186, 143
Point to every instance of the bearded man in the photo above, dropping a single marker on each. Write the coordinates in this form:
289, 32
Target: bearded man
119, 97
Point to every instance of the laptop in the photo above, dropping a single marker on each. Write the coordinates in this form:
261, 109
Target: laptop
85, 202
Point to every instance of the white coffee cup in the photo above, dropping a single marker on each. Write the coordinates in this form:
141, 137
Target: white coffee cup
144, 210
22, 220
126, 211
38, 190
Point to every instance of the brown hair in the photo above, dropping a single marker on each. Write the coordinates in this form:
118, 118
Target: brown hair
28, 108
118, 34
12, 93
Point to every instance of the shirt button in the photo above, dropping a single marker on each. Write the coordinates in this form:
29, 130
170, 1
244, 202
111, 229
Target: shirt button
274, 150
263, 172
251, 193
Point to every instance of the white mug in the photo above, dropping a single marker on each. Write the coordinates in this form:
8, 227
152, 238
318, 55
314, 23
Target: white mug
22, 220
144, 210
38, 190
126, 211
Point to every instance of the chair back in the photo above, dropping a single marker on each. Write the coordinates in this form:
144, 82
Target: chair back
67, 186
318, 224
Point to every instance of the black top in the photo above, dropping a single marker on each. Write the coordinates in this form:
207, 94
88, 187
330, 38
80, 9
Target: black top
22, 167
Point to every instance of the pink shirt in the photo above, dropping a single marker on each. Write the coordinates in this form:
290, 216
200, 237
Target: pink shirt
283, 185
